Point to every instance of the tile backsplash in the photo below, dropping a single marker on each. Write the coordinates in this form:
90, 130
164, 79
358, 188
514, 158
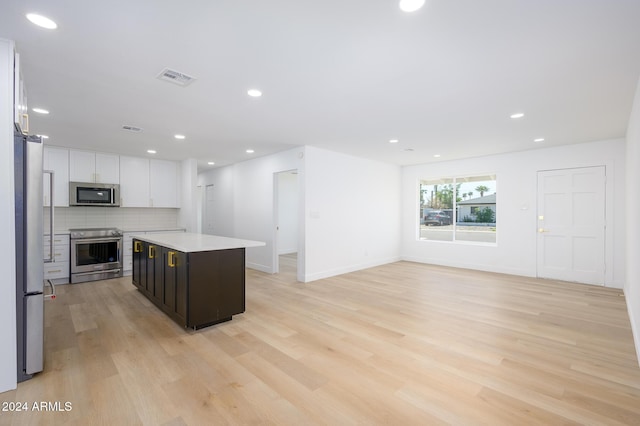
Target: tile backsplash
125, 218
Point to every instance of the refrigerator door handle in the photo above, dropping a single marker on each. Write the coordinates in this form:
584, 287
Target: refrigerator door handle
52, 256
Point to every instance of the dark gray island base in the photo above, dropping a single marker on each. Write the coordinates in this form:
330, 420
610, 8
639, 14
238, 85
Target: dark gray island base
195, 288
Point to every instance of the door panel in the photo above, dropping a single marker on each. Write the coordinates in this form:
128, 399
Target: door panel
571, 224
34, 330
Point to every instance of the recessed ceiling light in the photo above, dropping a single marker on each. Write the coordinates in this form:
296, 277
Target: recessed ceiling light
42, 21
411, 5
436, 155
539, 140
40, 110
254, 93
211, 163
393, 141
43, 136
179, 136
517, 115
151, 151
250, 151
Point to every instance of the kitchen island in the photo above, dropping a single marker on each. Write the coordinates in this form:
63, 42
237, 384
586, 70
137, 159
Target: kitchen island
196, 279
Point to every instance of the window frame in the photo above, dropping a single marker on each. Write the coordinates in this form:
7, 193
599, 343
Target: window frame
454, 180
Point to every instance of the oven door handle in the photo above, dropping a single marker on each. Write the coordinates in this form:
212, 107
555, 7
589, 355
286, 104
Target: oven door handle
96, 240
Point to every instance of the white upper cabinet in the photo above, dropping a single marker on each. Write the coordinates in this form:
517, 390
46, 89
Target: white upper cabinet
134, 175
20, 111
148, 183
93, 167
163, 183
57, 160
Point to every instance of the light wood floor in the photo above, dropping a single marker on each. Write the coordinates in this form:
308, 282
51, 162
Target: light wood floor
400, 344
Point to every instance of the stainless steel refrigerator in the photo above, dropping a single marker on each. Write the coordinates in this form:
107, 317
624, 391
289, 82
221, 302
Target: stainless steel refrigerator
28, 162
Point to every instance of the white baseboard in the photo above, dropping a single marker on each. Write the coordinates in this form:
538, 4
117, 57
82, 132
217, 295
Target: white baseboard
345, 270
635, 331
474, 266
258, 267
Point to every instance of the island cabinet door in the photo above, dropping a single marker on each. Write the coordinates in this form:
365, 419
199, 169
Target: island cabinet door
174, 297
139, 275
154, 259
155, 272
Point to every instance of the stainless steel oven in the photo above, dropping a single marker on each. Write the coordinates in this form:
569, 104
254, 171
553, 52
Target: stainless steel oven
96, 254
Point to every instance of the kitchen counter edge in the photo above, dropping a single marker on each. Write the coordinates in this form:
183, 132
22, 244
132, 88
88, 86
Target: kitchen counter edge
189, 242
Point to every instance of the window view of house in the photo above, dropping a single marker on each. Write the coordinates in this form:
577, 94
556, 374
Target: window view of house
458, 209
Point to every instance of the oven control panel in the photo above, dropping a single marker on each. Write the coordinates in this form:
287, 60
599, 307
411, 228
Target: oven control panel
94, 233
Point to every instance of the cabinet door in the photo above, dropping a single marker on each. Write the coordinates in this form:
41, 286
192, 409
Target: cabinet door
93, 167
82, 166
155, 268
152, 253
134, 182
163, 183
139, 276
20, 111
56, 159
107, 168
174, 300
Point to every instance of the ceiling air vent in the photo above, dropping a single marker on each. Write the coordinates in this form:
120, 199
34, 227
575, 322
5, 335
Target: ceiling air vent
133, 129
175, 77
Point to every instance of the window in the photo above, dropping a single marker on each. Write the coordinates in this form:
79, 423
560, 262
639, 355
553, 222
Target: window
458, 209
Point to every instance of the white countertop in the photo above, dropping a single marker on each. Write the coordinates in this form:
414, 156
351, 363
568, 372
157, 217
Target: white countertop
190, 242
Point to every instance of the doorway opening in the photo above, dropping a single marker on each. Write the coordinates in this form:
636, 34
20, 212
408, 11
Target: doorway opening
286, 223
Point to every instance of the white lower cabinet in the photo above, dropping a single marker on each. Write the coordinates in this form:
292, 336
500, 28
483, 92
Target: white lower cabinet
127, 252
59, 270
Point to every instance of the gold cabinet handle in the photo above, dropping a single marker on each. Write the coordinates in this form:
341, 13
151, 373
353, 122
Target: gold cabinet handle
152, 252
137, 246
171, 259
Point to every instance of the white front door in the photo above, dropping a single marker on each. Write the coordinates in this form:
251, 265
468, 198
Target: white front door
571, 225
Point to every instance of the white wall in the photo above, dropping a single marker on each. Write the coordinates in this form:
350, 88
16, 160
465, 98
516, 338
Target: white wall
288, 212
253, 203
349, 209
8, 362
352, 213
244, 194
125, 218
632, 285
515, 252
188, 214
219, 182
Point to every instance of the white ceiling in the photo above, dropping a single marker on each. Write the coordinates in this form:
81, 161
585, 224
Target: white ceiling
342, 75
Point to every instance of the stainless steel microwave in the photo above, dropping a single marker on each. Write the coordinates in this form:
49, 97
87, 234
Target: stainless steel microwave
94, 194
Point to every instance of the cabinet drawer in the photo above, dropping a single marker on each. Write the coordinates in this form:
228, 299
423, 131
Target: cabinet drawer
61, 252
61, 239
56, 270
